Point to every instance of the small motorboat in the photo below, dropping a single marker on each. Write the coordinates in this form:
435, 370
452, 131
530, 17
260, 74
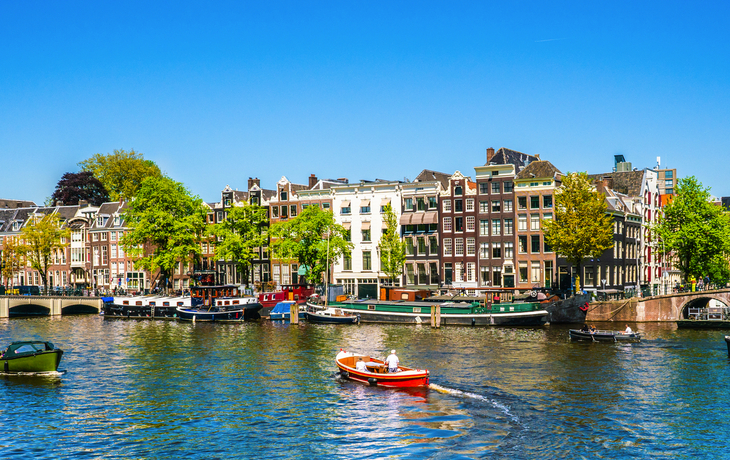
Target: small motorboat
332, 315
30, 357
282, 311
377, 372
604, 336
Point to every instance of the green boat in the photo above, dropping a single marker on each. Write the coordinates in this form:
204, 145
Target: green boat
30, 357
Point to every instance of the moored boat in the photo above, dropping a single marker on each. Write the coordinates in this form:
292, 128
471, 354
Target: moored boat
331, 315
219, 303
30, 357
144, 307
282, 311
451, 313
604, 336
377, 373
293, 292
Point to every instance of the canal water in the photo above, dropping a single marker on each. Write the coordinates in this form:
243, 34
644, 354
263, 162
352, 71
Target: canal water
156, 389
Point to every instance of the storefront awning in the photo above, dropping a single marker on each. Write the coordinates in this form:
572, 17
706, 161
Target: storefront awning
405, 219
431, 217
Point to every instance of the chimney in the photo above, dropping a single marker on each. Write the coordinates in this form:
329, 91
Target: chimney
490, 154
83, 203
312, 180
343, 179
59, 203
251, 182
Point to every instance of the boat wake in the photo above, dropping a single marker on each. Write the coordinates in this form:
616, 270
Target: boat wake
34, 374
465, 394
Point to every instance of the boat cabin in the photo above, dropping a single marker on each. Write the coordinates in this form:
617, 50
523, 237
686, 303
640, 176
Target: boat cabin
207, 295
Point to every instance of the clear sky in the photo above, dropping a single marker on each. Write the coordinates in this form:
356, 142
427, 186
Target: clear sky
215, 91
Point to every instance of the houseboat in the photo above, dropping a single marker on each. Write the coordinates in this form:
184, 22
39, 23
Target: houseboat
219, 303
298, 293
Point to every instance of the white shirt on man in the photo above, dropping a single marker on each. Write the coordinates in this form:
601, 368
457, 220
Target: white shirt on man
361, 366
392, 361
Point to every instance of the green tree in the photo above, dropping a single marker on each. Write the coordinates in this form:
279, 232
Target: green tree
166, 226
392, 247
239, 237
581, 227
695, 231
12, 258
40, 238
121, 172
312, 238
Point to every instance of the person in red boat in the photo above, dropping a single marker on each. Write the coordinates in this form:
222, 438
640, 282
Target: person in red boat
392, 361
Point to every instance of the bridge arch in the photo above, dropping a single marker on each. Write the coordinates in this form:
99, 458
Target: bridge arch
699, 301
28, 309
78, 309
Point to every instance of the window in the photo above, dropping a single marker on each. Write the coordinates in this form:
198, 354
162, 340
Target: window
670, 191
483, 207
507, 205
469, 205
366, 261
459, 247
433, 245
547, 201
94, 237
534, 202
345, 210
284, 212
523, 272
325, 205
496, 206
484, 275
421, 246
547, 216
470, 271
448, 249
509, 250
366, 235
113, 236
458, 191
590, 280
508, 187
483, 188
484, 227
432, 203
409, 246
283, 195
496, 187
274, 211
535, 272
459, 224
104, 236
508, 227
422, 277
534, 221
346, 263
114, 251
434, 272
458, 205
669, 183
522, 242
447, 224
521, 202
365, 209
471, 247
470, 223
546, 247
535, 244
421, 204
496, 250
496, 227
447, 205
293, 210
522, 222
484, 250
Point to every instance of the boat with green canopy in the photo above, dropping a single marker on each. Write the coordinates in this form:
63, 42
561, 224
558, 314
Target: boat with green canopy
30, 357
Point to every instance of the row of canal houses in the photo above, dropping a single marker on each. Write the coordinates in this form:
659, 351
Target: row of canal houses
462, 231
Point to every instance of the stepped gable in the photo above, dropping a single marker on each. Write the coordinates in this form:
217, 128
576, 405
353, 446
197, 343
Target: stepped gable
539, 168
505, 156
626, 182
428, 175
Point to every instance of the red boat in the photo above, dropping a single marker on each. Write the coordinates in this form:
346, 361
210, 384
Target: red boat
377, 372
296, 292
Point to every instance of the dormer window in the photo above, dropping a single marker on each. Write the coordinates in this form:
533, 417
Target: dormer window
117, 221
99, 221
16, 225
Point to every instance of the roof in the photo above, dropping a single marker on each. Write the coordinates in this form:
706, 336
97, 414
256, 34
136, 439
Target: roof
538, 168
428, 175
16, 204
626, 182
505, 156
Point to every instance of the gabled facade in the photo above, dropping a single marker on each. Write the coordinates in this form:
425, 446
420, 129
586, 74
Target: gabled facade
458, 232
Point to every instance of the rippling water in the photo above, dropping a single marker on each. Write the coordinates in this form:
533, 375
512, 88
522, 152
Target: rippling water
156, 389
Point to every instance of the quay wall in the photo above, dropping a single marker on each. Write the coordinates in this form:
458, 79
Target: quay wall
664, 308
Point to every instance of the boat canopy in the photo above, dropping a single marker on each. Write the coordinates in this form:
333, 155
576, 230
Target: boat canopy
17, 348
283, 307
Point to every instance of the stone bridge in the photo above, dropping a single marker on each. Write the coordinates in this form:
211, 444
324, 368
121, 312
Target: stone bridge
658, 308
21, 305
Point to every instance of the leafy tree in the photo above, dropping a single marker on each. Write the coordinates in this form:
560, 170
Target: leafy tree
695, 231
313, 238
166, 225
239, 237
581, 227
80, 186
121, 172
12, 258
41, 237
392, 248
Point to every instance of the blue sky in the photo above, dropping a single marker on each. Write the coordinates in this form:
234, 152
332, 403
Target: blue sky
215, 92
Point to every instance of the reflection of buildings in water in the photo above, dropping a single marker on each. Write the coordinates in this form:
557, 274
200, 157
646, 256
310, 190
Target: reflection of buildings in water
365, 339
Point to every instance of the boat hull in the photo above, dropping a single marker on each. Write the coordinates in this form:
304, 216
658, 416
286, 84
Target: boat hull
420, 313
42, 362
406, 378
604, 336
313, 317
112, 310
193, 314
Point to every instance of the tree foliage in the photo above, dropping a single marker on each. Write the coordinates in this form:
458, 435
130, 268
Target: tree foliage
166, 226
312, 238
40, 238
696, 231
80, 186
121, 172
581, 227
239, 237
392, 247
12, 258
